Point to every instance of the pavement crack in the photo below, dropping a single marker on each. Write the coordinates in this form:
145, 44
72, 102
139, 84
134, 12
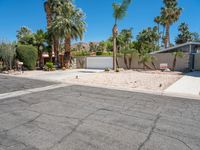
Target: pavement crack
53, 115
80, 122
29, 121
150, 132
175, 139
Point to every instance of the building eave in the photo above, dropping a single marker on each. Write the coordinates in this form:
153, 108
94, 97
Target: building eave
175, 47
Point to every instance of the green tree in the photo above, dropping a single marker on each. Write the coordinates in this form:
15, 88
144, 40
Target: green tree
170, 13
52, 9
120, 11
102, 46
25, 36
158, 21
40, 42
184, 34
129, 52
69, 24
93, 47
148, 38
195, 37
28, 55
124, 38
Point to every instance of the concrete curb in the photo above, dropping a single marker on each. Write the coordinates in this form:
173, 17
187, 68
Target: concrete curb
30, 91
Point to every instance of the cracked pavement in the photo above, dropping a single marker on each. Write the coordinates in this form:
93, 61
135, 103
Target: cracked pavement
88, 118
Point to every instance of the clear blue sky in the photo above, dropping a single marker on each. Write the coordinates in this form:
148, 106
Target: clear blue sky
17, 13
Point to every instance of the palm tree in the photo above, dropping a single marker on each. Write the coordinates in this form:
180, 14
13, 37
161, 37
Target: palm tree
145, 59
52, 9
40, 40
158, 21
119, 13
69, 24
176, 55
184, 34
170, 14
48, 10
129, 52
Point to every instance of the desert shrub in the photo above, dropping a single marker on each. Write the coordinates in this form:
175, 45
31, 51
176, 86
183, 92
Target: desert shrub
7, 55
99, 53
49, 66
28, 55
81, 53
117, 70
107, 69
104, 53
107, 53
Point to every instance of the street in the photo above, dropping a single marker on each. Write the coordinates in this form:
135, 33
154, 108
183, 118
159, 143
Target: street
73, 117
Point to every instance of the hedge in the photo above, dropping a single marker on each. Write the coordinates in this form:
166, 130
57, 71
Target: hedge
28, 55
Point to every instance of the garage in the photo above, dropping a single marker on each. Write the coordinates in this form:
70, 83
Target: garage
99, 62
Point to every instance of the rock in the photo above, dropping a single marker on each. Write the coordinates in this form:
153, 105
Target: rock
167, 70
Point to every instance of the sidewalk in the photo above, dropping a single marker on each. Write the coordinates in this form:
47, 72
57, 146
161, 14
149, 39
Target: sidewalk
187, 85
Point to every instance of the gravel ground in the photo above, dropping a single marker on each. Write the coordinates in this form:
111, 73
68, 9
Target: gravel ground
147, 80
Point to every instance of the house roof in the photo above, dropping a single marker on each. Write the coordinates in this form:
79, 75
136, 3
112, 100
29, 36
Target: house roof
175, 47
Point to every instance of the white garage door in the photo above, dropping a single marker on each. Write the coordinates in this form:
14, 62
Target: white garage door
99, 62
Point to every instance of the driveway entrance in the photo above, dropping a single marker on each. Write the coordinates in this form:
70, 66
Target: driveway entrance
187, 85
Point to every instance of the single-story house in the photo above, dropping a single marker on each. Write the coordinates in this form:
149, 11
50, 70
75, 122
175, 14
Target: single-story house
191, 59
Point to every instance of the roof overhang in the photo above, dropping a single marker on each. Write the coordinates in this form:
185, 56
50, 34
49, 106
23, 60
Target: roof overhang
175, 47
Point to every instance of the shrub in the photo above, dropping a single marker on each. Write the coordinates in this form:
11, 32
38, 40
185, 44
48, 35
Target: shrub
49, 66
104, 53
81, 53
7, 55
117, 70
107, 53
107, 69
28, 55
99, 53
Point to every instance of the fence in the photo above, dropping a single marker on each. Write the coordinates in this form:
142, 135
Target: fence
182, 64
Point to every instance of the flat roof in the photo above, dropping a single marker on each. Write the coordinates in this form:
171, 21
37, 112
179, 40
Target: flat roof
175, 47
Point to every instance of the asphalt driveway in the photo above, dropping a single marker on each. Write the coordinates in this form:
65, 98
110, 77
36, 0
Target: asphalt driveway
88, 118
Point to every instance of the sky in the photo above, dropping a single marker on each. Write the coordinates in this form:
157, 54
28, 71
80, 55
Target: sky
141, 13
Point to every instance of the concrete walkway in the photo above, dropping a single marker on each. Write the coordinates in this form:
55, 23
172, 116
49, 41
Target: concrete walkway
187, 85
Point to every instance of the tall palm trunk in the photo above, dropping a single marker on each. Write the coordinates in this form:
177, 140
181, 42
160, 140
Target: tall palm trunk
47, 8
158, 33
115, 30
174, 62
167, 37
130, 61
55, 41
67, 51
125, 61
55, 48
163, 34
